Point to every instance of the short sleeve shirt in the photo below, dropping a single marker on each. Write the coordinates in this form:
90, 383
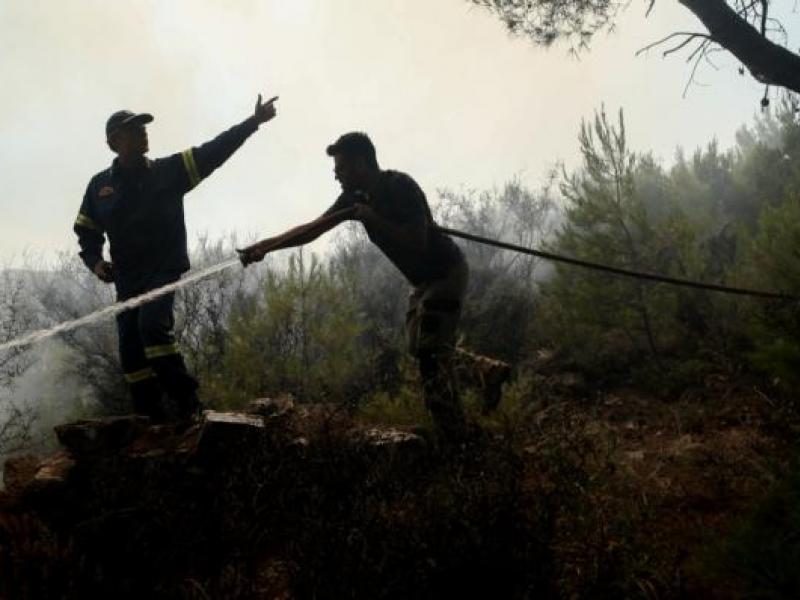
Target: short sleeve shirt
399, 199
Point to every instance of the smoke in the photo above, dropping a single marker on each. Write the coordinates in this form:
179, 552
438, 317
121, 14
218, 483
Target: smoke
49, 392
41, 385
47, 380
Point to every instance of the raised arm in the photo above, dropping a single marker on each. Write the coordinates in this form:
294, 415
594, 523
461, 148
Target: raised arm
297, 236
200, 161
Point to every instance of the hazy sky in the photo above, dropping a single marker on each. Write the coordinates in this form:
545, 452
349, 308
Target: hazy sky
444, 92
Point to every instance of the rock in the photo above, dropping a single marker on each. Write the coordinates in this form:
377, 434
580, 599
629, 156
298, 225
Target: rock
18, 471
162, 441
390, 444
52, 493
389, 437
52, 473
272, 407
55, 469
101, 435
299, 442
230, 420
223, 431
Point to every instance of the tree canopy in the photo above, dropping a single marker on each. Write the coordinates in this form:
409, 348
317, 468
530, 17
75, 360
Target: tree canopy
747, 29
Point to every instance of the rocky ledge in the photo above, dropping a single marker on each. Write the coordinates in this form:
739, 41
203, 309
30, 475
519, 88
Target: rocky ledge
281, 501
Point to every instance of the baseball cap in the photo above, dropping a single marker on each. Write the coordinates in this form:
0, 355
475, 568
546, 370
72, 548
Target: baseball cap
126, 117
355, 143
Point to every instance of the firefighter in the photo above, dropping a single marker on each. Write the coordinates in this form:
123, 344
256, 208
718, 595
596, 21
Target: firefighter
395, 213
137, 203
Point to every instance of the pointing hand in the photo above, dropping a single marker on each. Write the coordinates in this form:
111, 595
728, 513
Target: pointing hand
265, 111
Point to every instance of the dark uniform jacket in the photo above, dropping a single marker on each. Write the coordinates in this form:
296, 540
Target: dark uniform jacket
400, 200
141, 211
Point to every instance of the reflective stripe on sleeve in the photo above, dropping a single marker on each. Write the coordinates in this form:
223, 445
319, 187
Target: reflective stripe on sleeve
191, 167
140, 375
85, 221
158, 351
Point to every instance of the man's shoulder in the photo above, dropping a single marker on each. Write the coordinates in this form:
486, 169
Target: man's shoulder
401, 182
162, 161
395, 176
167, 163
101, 177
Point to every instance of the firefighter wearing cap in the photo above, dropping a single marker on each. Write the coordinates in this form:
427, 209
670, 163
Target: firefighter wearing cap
137, 204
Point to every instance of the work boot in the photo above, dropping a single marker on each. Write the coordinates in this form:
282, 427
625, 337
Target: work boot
147, 400
189, 410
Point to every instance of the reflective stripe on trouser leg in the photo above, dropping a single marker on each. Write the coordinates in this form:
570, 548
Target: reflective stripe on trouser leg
141, 377
152, 352
156, 321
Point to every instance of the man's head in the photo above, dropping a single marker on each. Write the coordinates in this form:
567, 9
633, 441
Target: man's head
355, 163
125, 133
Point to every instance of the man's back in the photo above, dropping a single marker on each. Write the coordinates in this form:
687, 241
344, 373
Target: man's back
399, 199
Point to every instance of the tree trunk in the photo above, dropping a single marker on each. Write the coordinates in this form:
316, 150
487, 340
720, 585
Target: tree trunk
767, 62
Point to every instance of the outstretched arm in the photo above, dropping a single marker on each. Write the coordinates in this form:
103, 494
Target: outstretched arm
297, 236
200, 161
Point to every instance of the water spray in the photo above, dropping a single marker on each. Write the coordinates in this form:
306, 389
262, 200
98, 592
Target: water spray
314, 228
114, 309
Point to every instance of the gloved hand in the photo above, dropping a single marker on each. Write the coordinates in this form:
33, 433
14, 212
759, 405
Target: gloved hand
104, 271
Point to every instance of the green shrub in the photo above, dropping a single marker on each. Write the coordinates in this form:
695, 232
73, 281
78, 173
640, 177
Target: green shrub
773, 263
300, 334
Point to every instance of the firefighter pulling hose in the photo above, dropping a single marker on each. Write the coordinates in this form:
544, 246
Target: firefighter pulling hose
396, 217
